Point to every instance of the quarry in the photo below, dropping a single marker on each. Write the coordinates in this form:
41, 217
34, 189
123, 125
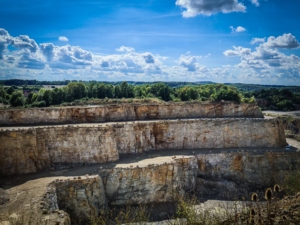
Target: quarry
64, 165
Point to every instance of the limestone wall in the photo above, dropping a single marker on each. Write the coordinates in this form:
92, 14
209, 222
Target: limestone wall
162, 182
128, 112
156, 180
250, 168
27, 150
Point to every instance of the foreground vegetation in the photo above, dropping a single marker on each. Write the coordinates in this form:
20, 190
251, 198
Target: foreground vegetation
267, 209
32, 93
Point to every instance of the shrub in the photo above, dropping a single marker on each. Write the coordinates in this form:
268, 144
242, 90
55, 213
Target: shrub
39, 104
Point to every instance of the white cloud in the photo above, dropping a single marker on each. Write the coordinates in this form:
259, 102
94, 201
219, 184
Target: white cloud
257, 40
48, 61
284, 41
266, 60
5, 40
255, 2
209, 7
238, 29
125, 49
237, 51
189, 62
63, 38
149, 58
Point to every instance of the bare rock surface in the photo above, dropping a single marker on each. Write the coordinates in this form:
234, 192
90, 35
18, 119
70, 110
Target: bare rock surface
31, 149
4, 197
32, 203
127, 112
160, 179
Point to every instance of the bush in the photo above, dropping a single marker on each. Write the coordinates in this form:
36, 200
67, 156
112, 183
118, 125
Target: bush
17, 99
39, 104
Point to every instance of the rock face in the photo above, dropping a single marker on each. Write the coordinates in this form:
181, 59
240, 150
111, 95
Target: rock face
3, 196
155, 180
33, 202
144, 182
235, 175
254, 169
82, 198
27, 150
128, 112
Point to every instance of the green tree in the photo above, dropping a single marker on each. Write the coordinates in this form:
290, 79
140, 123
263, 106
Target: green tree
58, 96
76, 90
47, 97
17, 99
162, 91
29, 99
10, 90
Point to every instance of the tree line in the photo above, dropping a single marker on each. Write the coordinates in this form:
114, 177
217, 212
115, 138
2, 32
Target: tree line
37, 96
277, 99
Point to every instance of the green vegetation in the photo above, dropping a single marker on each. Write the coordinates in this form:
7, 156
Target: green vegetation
79, 92
276, 99
261, 208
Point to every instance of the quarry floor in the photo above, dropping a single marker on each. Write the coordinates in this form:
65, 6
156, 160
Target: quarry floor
141, 160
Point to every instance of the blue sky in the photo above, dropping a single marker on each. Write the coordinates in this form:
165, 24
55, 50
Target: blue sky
248, 41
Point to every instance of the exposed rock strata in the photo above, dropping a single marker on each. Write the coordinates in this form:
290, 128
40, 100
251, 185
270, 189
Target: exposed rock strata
128, 112
27, 150
34, 202
143, 182
253, 169
81, 197
52, 200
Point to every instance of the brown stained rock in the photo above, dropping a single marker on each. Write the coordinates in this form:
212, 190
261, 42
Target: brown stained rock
61, 115
237, 163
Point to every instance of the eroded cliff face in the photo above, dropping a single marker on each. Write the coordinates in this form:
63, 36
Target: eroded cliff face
128, 112
81, 197
34, 202
141, 183
232, 175
253, 168
27, 150
155, 180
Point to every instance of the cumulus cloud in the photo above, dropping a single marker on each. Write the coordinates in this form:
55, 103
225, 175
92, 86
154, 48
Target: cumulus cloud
125, 49
257, 40
24, 42
104, 64
209, 7
267, 59
284, 41
237, 30
30, 63
5, 40
189, 62
237, 51
48, 50
30, 59
149, 58
63, 38
255, 2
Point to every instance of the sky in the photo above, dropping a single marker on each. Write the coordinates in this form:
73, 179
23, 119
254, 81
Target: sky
236, 41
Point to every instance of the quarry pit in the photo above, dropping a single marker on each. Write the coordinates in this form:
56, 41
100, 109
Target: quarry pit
77, 161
